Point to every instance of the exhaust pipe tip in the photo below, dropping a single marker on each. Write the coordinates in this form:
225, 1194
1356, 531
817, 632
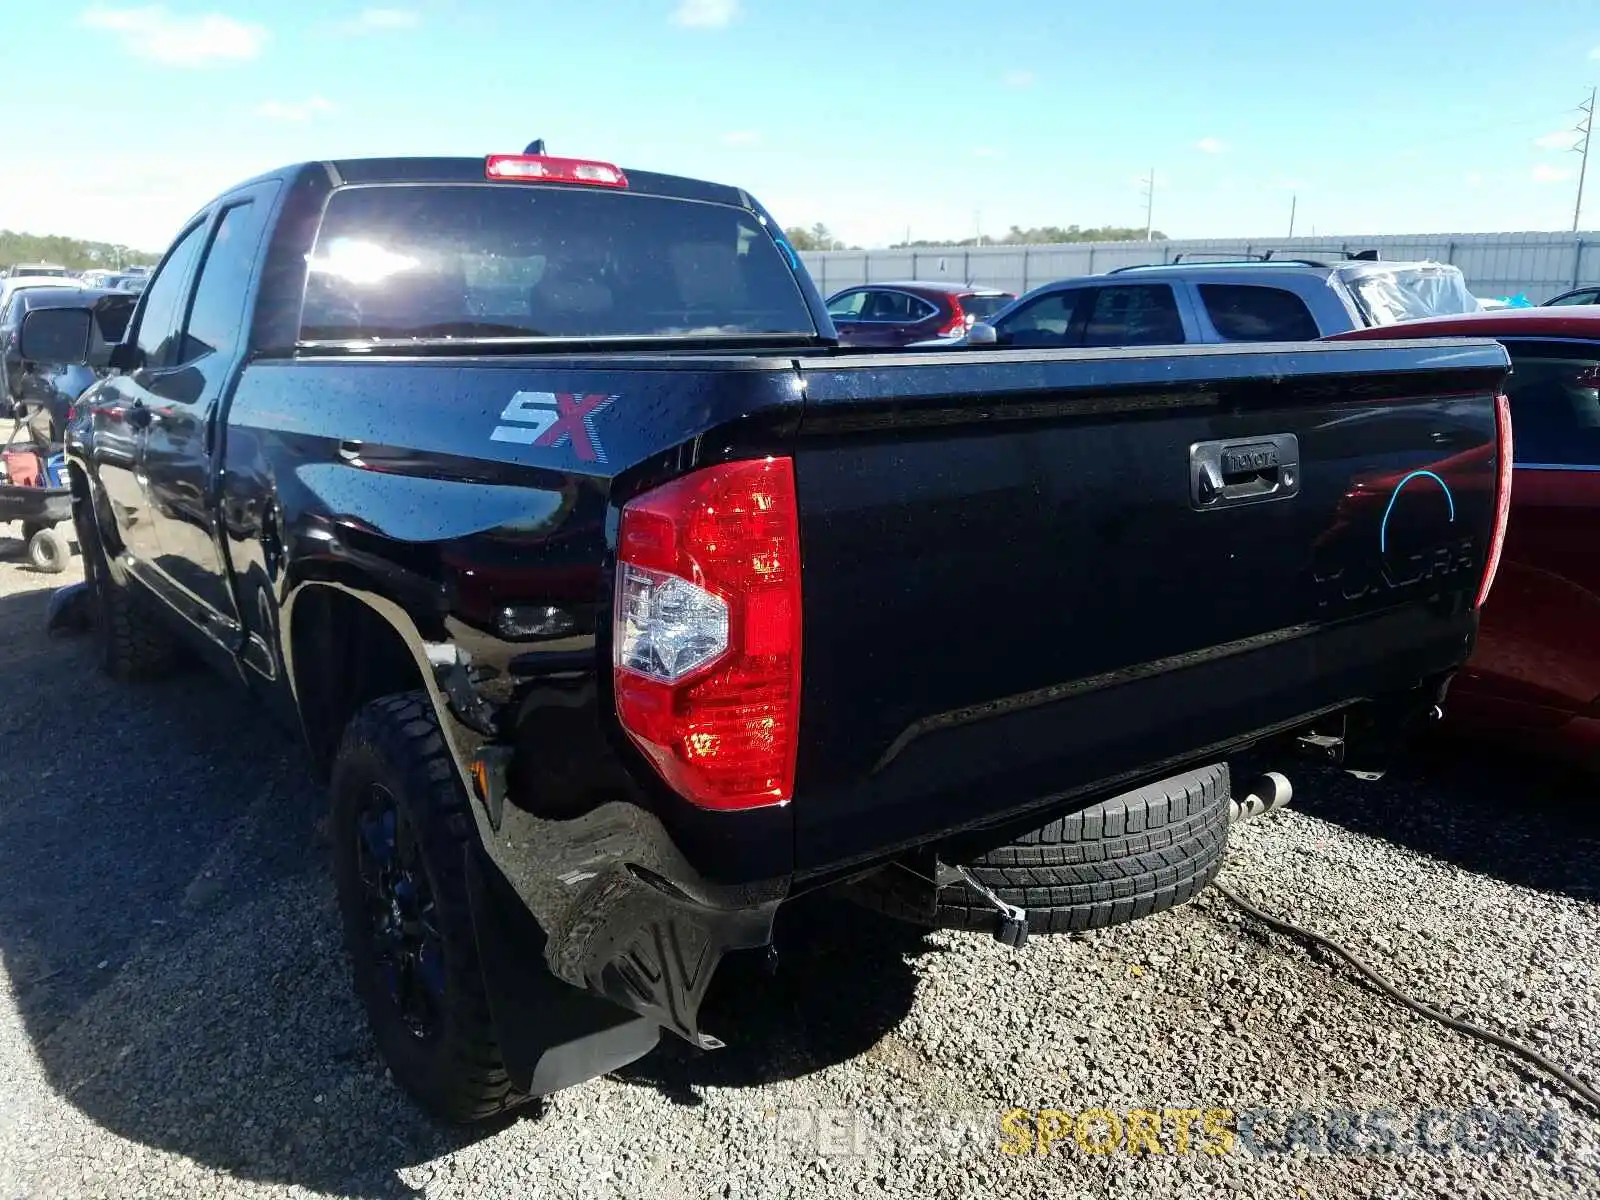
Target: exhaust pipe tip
1271, 791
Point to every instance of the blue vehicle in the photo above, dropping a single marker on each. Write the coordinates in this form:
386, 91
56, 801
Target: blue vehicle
1216, 303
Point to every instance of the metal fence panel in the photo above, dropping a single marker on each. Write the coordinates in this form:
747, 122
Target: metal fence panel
1536, 265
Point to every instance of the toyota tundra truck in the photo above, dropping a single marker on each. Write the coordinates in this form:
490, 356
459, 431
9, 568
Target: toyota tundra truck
618, 606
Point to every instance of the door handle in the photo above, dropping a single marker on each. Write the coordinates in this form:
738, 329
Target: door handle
1244, 470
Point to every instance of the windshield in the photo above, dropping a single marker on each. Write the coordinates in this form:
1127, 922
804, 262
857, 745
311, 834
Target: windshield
981, 308
436, 261
1405, 293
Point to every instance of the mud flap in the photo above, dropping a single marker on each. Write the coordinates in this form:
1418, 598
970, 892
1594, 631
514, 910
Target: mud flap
551, 1034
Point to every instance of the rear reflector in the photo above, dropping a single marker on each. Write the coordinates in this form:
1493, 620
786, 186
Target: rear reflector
1502, 496
540, 168
706, 636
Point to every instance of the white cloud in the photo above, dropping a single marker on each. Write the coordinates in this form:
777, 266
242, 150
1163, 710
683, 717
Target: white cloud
140, 201
1210, 145
1595, 54
380, 20
705, 14
1474, 178
156, 34
1018, 79
741, 137
1561, 139
1545, 173
279, 110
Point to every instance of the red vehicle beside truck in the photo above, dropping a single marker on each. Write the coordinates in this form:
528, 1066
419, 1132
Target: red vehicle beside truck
1535, 672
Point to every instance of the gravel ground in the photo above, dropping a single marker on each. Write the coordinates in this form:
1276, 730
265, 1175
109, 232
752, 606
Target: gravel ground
177, 1019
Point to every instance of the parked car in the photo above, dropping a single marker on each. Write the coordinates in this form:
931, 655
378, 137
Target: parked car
29, 388
613, 631
1218, 302
1583, 295
54, 270
897, 314
1535, 673
14, 295
13, 284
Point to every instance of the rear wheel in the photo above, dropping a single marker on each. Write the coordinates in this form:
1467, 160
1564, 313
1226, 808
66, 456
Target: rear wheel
401, 830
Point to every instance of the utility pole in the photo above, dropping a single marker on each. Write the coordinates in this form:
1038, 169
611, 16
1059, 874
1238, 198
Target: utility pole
1587, 129
1294, 201
1149, 203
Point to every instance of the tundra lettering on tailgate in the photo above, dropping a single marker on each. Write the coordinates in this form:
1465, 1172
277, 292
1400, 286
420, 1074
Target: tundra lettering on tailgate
555, 419
1417, 539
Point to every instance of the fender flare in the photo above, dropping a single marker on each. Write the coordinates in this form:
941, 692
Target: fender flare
400, 621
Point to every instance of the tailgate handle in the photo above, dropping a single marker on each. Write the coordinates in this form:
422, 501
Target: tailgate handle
1244, 470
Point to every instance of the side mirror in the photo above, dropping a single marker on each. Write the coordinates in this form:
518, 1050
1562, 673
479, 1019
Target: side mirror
57, 337
982, 334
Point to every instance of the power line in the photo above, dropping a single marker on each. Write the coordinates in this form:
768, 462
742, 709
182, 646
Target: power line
1586, 127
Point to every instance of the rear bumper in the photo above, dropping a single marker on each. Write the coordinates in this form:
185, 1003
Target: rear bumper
1030, 755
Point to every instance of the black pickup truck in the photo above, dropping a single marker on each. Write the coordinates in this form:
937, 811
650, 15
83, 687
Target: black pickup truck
619, 606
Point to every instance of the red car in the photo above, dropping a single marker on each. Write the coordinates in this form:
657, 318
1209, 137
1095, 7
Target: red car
897, 314
1536, 669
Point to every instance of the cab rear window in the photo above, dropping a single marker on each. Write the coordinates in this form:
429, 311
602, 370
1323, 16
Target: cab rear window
409, 261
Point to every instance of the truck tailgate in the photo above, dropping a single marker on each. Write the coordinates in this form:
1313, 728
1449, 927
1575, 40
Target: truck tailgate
1022, 582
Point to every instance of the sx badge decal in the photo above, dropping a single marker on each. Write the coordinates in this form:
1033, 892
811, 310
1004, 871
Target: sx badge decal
555, 419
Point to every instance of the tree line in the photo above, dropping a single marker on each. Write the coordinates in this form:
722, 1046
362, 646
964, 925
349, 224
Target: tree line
73, 253
820, 237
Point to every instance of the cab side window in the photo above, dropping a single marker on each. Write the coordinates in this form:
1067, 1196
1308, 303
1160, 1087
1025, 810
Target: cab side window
847, 306
1144, 314
162, 317
900, 307
216, 318
1045, 322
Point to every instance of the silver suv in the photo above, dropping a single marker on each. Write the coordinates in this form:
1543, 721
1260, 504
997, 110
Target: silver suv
1261, 300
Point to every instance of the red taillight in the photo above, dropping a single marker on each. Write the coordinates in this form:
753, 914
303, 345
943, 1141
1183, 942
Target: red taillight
957, 324
1502, 496
706, 634
541, 168
72, 413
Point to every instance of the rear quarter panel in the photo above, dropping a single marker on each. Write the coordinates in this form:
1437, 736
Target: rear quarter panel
385, 477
